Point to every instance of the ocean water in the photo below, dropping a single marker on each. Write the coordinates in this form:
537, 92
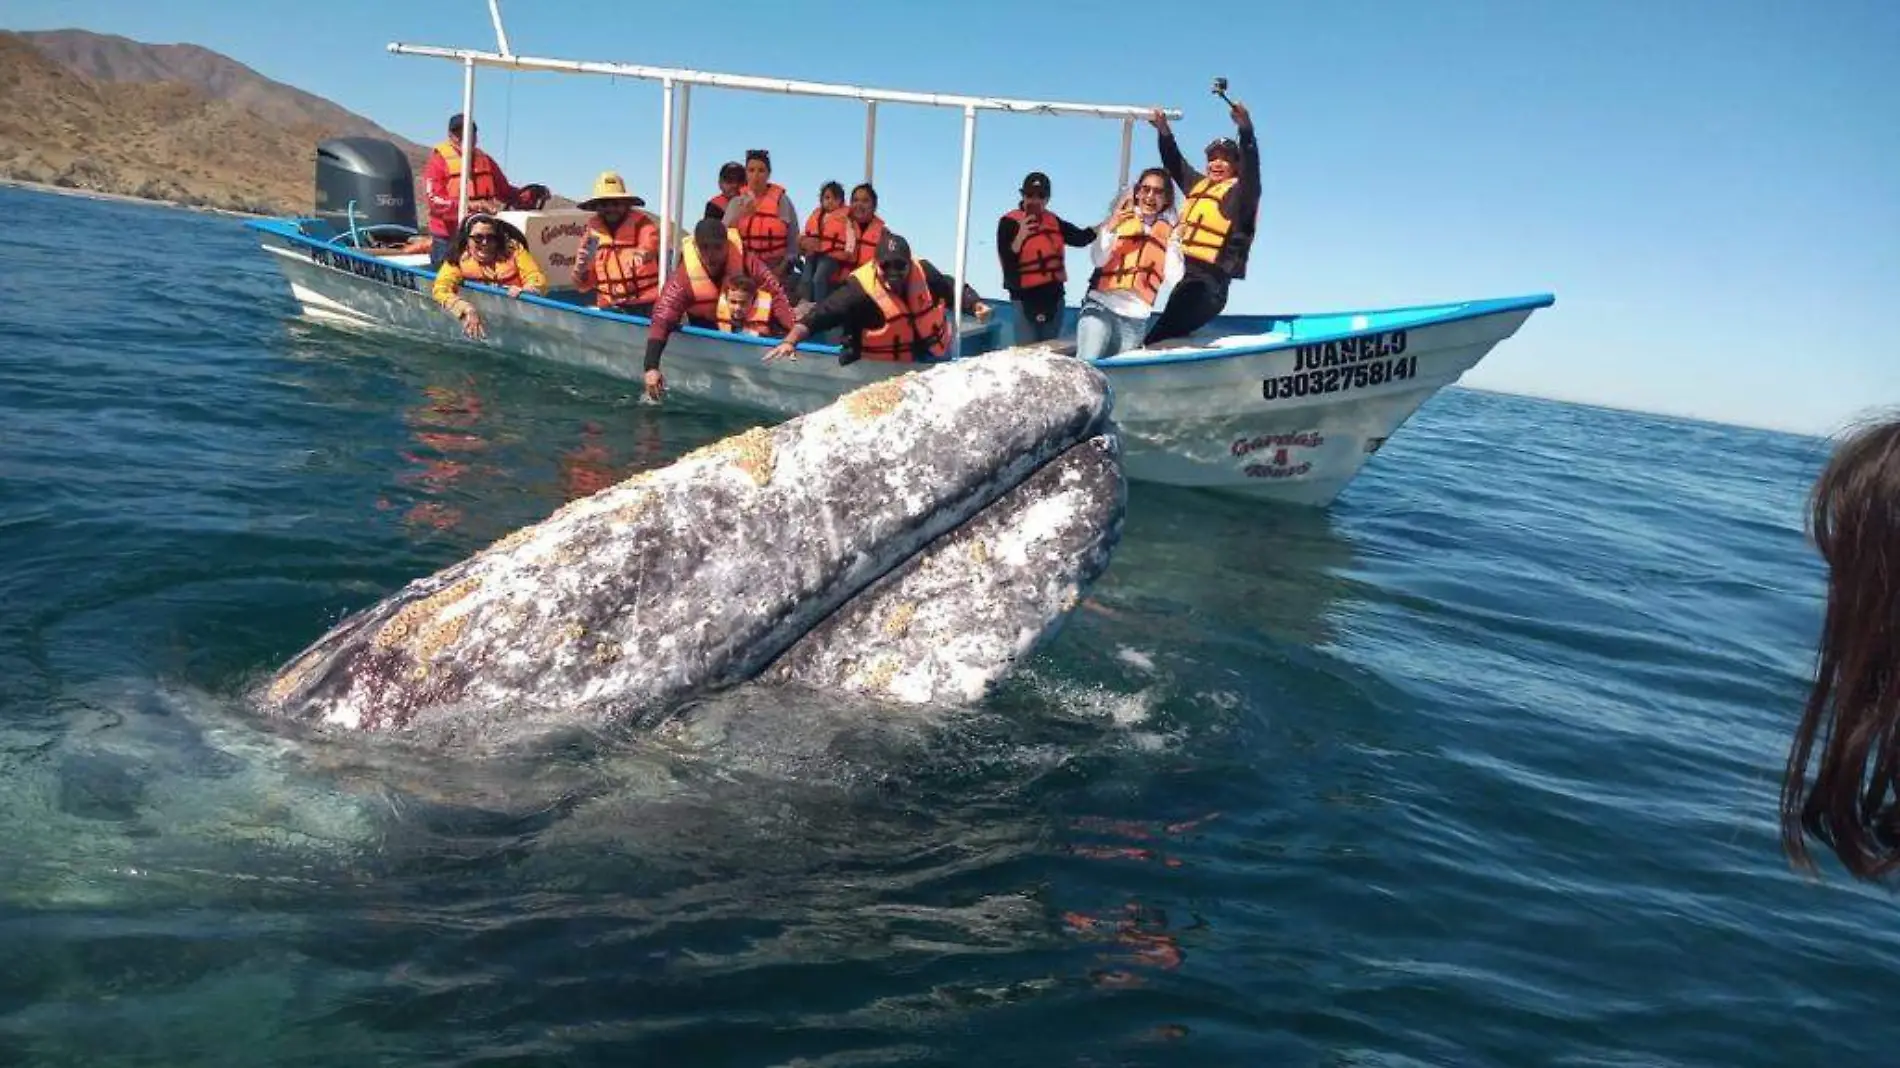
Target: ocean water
1478, 767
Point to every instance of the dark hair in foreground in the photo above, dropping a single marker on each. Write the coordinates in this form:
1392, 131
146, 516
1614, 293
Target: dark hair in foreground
1852, 718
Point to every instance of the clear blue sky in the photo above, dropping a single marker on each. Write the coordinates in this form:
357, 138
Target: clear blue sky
1712, 189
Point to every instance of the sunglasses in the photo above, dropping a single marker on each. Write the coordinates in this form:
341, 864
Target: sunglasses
1157, 190
486, 237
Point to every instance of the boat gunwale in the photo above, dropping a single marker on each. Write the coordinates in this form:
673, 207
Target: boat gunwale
286, 227
1456, 311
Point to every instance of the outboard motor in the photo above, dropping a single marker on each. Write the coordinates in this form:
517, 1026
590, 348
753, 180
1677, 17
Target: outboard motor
365, 188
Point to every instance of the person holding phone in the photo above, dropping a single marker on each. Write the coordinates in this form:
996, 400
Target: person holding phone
1031, 243
1136, 257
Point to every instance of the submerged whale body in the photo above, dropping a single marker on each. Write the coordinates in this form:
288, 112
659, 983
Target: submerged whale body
909, 542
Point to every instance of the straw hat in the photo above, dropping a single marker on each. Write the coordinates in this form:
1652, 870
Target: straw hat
609, 187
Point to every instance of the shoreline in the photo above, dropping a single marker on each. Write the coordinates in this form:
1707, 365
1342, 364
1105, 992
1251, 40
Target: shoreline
123, 198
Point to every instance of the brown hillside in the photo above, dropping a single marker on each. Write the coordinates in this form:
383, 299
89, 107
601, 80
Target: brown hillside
162, 141
175, 123
112, 59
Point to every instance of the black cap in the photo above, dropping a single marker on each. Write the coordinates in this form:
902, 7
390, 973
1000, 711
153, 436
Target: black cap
1036, 182
1224, 146
892, 249
732, 172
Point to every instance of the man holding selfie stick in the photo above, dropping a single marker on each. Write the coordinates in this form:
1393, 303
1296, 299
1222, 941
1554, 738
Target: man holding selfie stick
1216, 230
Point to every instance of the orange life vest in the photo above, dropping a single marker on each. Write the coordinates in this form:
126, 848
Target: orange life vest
919, 315
757, 320
1138, 258
868, 237
833, 227
1204, 228
503, 272
1040, 261
720, 202
766, 235
708, 290
481, 178
614, 276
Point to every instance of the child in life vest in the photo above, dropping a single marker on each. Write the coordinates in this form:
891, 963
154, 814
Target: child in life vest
745, 308
828, 244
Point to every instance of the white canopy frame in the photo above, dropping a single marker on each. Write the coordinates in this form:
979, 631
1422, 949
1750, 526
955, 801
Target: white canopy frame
676, 86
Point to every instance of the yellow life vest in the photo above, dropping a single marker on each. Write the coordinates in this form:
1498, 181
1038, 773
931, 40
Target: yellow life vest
707, 289
1204, 227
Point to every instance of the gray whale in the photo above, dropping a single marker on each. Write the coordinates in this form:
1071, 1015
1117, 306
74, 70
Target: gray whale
910, 542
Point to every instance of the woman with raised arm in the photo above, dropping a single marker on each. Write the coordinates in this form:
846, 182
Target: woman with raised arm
1217, 223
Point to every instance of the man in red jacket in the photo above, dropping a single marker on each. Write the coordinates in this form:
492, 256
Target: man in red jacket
692, 291
488, 188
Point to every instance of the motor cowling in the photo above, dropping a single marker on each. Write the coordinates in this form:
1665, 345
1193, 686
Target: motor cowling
367, 182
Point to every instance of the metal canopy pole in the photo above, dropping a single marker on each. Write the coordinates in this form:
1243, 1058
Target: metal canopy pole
675, 208
501, 35
785, 86
468, 140
870, 138
1128, 141
963, 230
666, 166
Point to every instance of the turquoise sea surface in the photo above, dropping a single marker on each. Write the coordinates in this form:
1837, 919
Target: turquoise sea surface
1478, 767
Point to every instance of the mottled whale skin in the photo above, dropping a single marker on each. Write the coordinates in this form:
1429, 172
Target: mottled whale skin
948, 624
703, 573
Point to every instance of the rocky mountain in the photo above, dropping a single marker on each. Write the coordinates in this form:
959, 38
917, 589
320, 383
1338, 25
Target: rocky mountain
175, 123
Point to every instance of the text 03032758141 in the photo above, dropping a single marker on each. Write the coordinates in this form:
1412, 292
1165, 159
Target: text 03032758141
1335, 366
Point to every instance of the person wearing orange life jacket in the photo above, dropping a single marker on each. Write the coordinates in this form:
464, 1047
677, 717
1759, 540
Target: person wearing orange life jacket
485, 250
692, 291
896, 308
829, 241
488, 188
1031, 243
745, 308
870, 226
619, 257
1216, 230
764, 215
731, 180
1136, 257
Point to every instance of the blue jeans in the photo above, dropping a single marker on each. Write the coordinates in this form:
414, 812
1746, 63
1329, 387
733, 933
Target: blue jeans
818, 272
1100, 333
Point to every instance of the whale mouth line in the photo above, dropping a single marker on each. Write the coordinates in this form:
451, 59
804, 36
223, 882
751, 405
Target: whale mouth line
992, 495
983, 496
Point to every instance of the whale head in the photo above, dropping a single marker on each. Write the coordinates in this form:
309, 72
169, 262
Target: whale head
910, 542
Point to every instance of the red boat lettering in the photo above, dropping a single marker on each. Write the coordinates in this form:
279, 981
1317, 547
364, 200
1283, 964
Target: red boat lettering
1276, 470
1304, 439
